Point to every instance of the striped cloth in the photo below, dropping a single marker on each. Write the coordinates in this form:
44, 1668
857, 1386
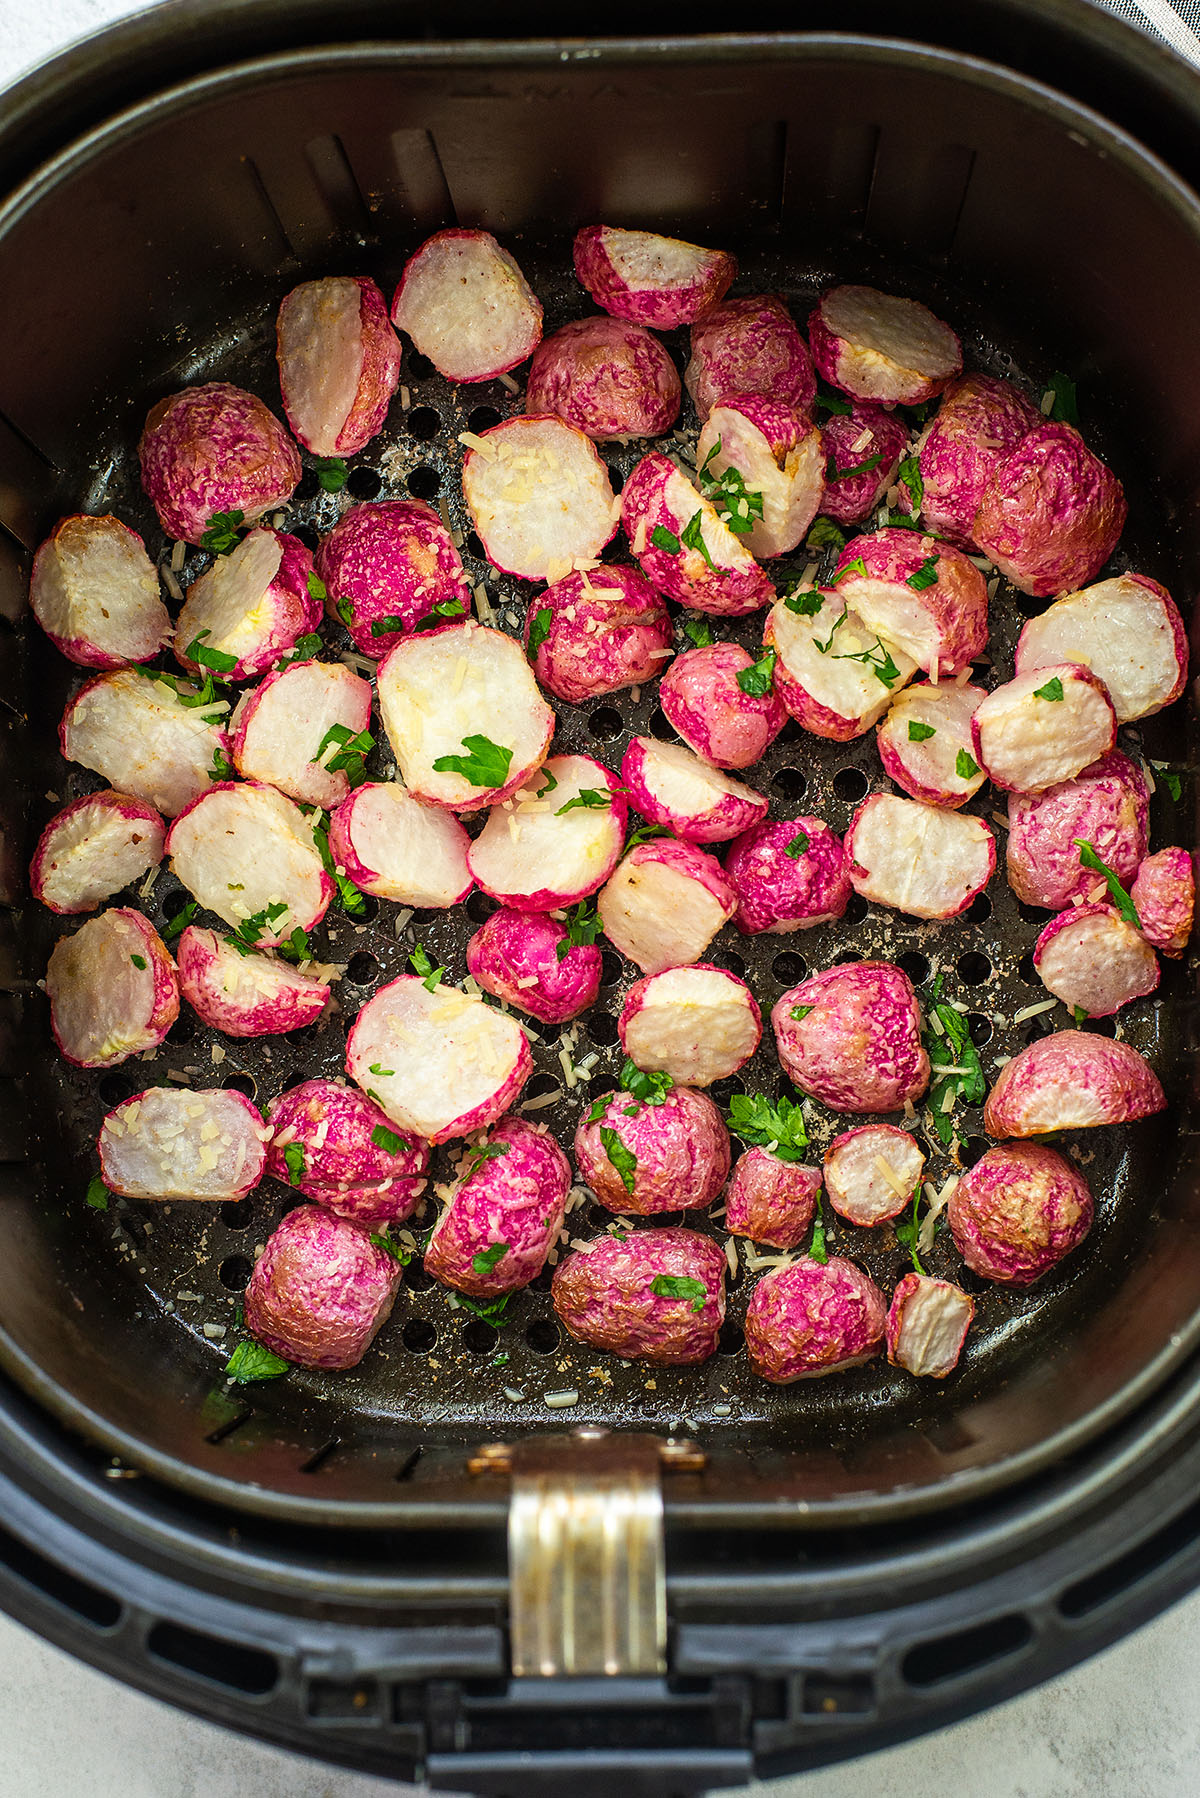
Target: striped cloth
1175, 22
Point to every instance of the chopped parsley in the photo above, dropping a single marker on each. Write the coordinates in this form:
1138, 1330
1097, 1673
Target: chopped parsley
251, 1362
1053, 690
345, 610
798, 1013
539, 630
198, 651
645, 834
949, 1046
797, 846
222, 768
486, 1259
445, 608
834, 473
857, 566
1079, 1015
680, 1286
250, 929
909, 475
296, 947
737, 506
779, 1128
699, 632
332, 473
876, 658
352, 900
97, 1194
382, 1239
383, 1073
294, 1162
486, 1151
306, 647
665, 540
548, 785
1171, 781
1064, 410
924, 576
316, 587
834, 403
909, 1230
352, 751
692, 537
918, 732
384, 627
139, 962
430, 976
224, 532
965, 766
648, 1088
816, 1248
588, 799
623, 1159
492, 1311
806, 602
824, 648
824, 534
485, 765
583, 926
1116, 892
599, 1107
176, 925
756, 680
388, 1140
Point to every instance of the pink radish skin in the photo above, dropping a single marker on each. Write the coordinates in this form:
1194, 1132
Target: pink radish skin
680, 1149
400, 848
1107, 805
539, 497
777, 892
1018, 1212
1164, 893
339, 363
1095, 962
253, 604
648, 279
466, 305
607, 629
215, 449
1051, 513
749, 345
1073, 1080
245, 995
1027, 740
438, 1063
925, 861
604, 1294
813, 1318
242, 848
112, 989
669, 785
320, 1291
514, 1200
871, 1173
927, 1324
174, 1143
771, 1201
777, 452
849, 440
339, 1158
277, 730
857, 1044
385, 566
657, 497
94, 591
535, 855
438, 688
93, 848
704, 704
137, 733
665, 904
698, 1024
514, 956
878, 346
606, 377
1128, 631
831, 691
943, 626
927, 768
978, 422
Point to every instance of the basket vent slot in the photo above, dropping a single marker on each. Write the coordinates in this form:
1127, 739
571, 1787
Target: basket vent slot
325, 1453
952, 1657
1116, 1577
326, 157
231, 1664
73, 1594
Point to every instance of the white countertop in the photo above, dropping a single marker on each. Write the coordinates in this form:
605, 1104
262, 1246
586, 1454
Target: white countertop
1126, 1723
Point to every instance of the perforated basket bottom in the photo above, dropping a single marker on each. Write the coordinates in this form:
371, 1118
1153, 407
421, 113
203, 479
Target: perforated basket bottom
438, 1372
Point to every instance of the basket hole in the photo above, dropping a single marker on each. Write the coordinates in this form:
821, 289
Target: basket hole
605, 723
790, 734
114, 1089
368, 909
306, 488
661, 727
721, 1091
221, 1662
789, 969
789, 783
237, 1214
847, 956
362, 969
419, 367
856, 909
1031, 914
1028, 972
615, 477
951, 1657
1101, 1026
1038, 1028
730, 961
474, 546
611, 968
305, 534
363, 483
732, 1340
601, 1028
979, 910
234, 1273
480, 906
540, 1085
424, 423
543, 1336
416, 1278
980, 1027
183, 1029
479, 1338
1029, 604
850, 784
973, 968
424, 483
915, 965
245, 1084
418, 1335
483, 418
542, 1282
974, 1149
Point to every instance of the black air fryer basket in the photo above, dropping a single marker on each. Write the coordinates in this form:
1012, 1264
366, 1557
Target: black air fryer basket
394, 1568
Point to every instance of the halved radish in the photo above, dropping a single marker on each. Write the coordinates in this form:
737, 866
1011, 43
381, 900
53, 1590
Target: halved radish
331, 1143
769, 450
148, 736
1127, 631
247, 853
665, 904
697, 1024
241, 993
684, 547
1107, 805
467, 306
386, 567
252, 605
653, 280
872, 1172
94, 591
749, 345
606, 377
556, 840
211, 450
1043, 727
527, 959
597, 630
861, 449
304, 730
504, 1213
539, 497
1072, 1080
93, 848
722, 722
669, 785
397, 847
339, 362
925, 743
1051, 513
321, 1290
927, 1324
438, 1063
770, 1200
920, 596
923, 859
1094, 961
173, 1143
979, 420
878, 346
112, 990
850, 1036
833, 674
788, 875
1164, 892
463, 697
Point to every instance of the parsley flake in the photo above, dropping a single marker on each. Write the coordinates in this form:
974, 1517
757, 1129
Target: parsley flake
382, 1239
780, 1128
623, 1159
294, 1162
918, 732
139, 962
486, 764
224, 532
588, 799
176, 925
798, 1013
583, 926
251, 1362
756, 681
857, 566
680, 1286
824, 534
924, 576
352, 750
1117, 893
909, 475
699, 632
816, 1248
1053, 690
316, 586
222, 768
648, 1087
834, 473
876, 658
1171, 781
665, 540
383, 1073
737, 506
806, 602
486, 1259
797, 846
388, 1140
444, 609
420, 962
965, 766
306, 647
1065, 410
692, 537
539, 630
332, 473
345, 610
951, 1045
97, 1194
198, 651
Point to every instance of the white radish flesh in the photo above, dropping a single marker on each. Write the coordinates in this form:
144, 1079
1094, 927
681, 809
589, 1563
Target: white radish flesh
396, 847
112, 990
539, 497
684, 547
339, 363
878, 346
93, 848
137, 733
665, 904
94, 591
653, 280
247, 853
832, 673
927, 1325
242, 993
696, 1024
252, 605
540, 849
1128, 631
923, 859
288, 731
467, 306
701, 804
872, 1172
1043, 727
172, 1143
925, 743
779, 456
1091, 959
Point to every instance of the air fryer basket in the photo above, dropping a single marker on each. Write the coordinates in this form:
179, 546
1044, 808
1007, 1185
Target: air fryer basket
152, 253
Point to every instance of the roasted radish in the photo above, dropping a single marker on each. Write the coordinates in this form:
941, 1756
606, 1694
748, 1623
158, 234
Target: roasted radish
94, 591
304, 730
851, 1037
1164, 892
924, 860
467, 306
605, 376
925, 743
388, 566
656, 1296
249, 608
1107, 805
665, 904
1051, 513
668, 1153
872, 1172
1018, 1212
878, 346
247, 853
1072, 1080
1043, 727
556, 840
788, 876
112, 990
749, 345
152, 736
978, 422
762, 464
339, 362
684, 546
172, 1143
215, 455
697, 1024
321, 1290
331, 1143
539, 497
400, 848
833, 674
918, 596
669, 785
504, 1213
652, 280
236, 990
770, 1200
861, 450
813, 1318
1127, 631
93, 848
596, 631
1095, 961
728, 724
927, 1324
529, 960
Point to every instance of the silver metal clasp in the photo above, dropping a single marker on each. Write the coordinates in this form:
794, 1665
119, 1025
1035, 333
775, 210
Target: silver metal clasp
586, 1549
